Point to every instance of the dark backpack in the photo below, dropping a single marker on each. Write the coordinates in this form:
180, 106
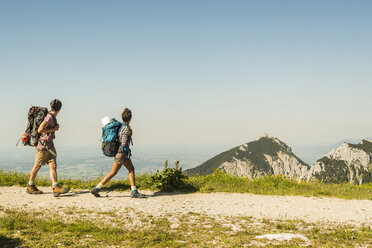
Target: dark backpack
110, 138
36, 116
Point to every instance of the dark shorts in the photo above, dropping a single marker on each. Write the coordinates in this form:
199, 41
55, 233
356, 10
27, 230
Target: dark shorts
121, 158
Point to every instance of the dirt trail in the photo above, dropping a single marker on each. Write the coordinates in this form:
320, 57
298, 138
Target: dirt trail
310, 209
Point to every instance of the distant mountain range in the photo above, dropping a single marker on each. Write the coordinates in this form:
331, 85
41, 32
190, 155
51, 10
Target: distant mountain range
269, 156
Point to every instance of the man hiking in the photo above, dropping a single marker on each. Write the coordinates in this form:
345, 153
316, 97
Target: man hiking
122, 157
46, 152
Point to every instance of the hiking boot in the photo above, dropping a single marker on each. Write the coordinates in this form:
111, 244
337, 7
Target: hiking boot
31, 189
136, 194
95, 191
57, 190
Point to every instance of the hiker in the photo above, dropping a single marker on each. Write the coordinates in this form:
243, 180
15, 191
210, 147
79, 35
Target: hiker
122, 156
46, 152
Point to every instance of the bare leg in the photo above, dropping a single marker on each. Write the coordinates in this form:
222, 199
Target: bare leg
128, 164
31, 188
115, 168
132, 179
53, 172
34, 172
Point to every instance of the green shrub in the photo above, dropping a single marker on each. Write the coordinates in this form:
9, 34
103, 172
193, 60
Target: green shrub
169, 179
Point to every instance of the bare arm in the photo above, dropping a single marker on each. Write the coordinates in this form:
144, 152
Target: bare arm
43, 128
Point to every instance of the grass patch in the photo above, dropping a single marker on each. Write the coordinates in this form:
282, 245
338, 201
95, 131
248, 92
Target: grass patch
15, 178
278, 185
217, 182
32, 230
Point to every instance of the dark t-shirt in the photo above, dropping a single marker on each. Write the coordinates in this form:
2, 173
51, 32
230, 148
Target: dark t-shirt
48, 137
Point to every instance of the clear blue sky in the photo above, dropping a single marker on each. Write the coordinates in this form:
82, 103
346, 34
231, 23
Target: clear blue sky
193, 72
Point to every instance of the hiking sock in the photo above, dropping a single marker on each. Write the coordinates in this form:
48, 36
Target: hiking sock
133, 188
30, 183
99, 186
54, 184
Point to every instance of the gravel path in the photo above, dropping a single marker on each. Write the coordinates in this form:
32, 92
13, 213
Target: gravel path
309, 209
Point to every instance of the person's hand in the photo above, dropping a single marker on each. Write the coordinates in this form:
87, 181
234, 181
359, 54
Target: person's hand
56, 127
130, 132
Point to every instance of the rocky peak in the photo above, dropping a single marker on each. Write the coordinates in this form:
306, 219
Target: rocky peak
263, 156
282, 146
347, 163
268, 155
268, 136
349, 154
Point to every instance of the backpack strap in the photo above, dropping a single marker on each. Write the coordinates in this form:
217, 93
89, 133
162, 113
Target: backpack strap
52, 152
120, 129
54, 118
103, 133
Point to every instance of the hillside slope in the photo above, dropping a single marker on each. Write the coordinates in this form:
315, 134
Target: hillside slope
264, 156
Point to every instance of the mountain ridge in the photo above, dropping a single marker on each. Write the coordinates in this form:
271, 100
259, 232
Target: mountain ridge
268, 155
254, 159
346, 163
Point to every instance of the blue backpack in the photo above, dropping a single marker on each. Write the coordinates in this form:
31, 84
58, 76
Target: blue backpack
110, 138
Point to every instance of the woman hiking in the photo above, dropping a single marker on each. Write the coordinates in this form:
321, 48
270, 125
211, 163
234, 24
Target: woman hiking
122, 157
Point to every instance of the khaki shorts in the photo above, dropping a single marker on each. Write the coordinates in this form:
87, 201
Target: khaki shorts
45, 157
121, 158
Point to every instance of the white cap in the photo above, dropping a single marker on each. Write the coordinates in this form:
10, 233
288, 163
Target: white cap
105, 120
